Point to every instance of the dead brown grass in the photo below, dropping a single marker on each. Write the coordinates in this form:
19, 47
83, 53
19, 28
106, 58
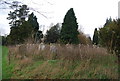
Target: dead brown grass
74, 62
72, 53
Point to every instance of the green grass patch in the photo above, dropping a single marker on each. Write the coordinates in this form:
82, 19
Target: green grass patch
26, 72
0, 62
7, 70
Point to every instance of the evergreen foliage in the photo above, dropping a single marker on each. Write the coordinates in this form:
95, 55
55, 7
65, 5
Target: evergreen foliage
95, 37
32, 19
53, 34
36, 33
22, 29
69, 31
110, 36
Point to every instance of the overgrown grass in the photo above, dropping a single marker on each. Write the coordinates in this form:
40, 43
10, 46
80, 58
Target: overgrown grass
7, 69
83, 62
0, 62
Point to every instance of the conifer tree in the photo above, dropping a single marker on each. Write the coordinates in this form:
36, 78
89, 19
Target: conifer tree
36, 33
95, 37
69, 31
53, 34
32, 19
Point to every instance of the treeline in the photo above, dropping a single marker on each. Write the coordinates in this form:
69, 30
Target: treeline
109, 36
67, 33
25, 28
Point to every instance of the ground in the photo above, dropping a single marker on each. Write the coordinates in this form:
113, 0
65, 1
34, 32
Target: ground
37, 67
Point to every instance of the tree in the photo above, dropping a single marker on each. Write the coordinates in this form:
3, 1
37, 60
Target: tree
3, 40
83, 39
14, 36
117, 39
53, 34
69, 31
108, 21
18, 15
32, 19
22, 29
13, 15
25, 31
109, 36
18, 23
95, 37
36, 33
106, 34
23, 13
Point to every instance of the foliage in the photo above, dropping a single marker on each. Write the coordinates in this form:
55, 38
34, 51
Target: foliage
110, 35
33, 21
95, 37
19, 34
18, 15
69, 31
22, 29
14, 36
53, 34
83, 39
18, 24
38, 36
25, 31
36, 33
3, 40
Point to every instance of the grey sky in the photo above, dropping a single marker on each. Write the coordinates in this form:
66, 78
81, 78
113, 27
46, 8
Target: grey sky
90, 14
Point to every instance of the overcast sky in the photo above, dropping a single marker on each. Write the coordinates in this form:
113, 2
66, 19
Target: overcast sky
90, 14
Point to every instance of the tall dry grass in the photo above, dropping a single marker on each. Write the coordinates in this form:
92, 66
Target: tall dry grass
63, 52
67, 61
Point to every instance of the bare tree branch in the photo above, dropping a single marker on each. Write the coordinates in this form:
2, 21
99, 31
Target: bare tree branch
4, 2
48, 2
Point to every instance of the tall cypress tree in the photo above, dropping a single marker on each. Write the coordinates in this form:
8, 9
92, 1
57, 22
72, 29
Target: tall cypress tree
32, 19
95, 37
69, 33
36, 33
